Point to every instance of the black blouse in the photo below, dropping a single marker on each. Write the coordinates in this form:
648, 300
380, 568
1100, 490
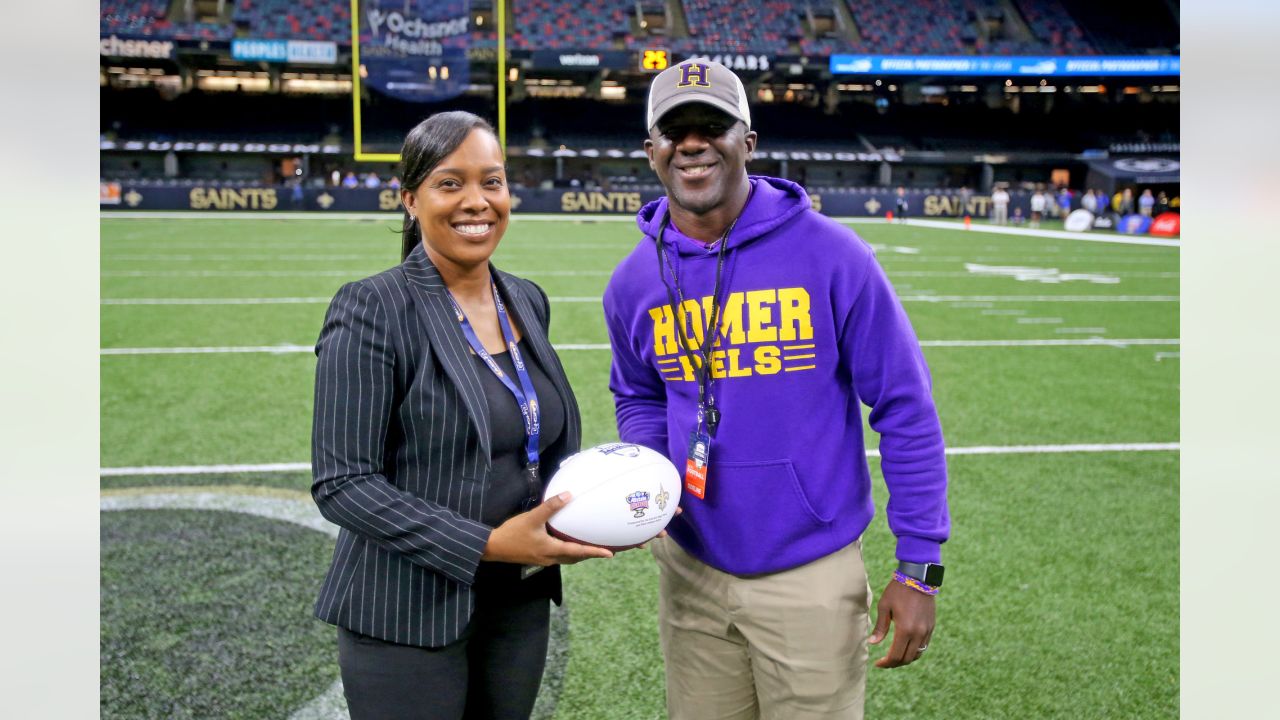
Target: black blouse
507, 489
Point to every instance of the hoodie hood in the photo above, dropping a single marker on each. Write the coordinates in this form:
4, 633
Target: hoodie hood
773, 203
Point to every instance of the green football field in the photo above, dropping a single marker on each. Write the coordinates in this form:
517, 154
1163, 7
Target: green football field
1056, 372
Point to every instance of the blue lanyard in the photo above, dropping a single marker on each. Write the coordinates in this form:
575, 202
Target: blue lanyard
525, 395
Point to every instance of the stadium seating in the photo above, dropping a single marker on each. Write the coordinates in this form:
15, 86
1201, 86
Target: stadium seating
1052, 24
543, 24
295, 19
134, 17
736, 26
150, 18
942, 27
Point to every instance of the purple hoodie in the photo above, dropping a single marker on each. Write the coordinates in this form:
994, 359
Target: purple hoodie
810, 331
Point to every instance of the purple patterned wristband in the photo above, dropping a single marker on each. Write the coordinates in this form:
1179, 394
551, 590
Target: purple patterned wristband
913, 583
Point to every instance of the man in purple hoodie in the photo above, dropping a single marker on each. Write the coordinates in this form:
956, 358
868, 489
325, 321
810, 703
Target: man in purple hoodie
747, 333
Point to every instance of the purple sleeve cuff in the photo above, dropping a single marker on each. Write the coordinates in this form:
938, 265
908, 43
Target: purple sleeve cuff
919, 550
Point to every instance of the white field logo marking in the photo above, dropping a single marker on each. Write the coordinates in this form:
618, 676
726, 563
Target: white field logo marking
898, 249
1041, 275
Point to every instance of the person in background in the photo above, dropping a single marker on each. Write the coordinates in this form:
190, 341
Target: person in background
900, 205
1000, 206
1037, 206
1162, 203
350, 181
1089, 201
1146, 201
1126, 202
440, 410
372, 181
1064, 202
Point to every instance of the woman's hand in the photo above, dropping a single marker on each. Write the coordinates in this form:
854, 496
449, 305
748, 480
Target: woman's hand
524, 539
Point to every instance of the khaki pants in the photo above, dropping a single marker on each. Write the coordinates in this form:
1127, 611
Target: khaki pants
790, 645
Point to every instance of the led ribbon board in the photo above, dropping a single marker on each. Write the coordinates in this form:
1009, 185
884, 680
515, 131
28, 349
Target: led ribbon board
1011, 66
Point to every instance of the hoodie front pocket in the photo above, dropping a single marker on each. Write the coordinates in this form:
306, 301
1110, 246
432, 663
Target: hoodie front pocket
768, 493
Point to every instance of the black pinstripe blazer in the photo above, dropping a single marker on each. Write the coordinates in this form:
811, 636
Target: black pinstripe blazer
400, 451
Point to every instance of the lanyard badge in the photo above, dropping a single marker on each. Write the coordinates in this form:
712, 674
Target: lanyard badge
697, 463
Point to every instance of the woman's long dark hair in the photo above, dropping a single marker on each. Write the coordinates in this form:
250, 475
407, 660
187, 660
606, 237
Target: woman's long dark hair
425, 146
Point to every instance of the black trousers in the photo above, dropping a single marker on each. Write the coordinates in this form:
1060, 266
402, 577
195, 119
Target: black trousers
492, 671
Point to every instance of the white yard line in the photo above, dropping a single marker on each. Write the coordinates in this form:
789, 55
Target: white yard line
219, 301
269, 215
207, 469
1025, 232
1039, 298
286, 349
353, 274
275, 301
272, 349
597, 299
1077, 448
975, 450
393, 217
1054, 342
545, 217
956, 274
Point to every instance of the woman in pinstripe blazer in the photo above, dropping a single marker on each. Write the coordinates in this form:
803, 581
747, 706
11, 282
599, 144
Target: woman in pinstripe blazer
420, 453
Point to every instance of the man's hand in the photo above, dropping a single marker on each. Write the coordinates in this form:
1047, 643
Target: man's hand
912, 614
524, 539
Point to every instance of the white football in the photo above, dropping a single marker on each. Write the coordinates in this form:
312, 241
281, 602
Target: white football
623, 496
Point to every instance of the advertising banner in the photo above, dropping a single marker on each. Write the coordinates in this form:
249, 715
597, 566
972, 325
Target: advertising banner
737, 61
1009, 66
1134, 224
1167, 224
114, 46
290, 51
581, 59
414, 50
109, 193
862, 203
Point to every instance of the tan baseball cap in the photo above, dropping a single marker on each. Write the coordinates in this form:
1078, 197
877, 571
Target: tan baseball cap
701, 81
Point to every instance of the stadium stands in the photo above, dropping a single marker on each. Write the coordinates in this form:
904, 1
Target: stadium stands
150, 18
1050, 22
736, 26
295, 19
543, 24
942, 27
133, 17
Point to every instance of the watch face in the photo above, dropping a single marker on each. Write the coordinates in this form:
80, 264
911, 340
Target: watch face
933, 575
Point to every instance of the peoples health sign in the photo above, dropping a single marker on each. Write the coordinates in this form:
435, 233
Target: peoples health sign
1037, 66
293, 51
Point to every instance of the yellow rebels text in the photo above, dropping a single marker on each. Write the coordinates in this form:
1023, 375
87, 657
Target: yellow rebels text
777, 321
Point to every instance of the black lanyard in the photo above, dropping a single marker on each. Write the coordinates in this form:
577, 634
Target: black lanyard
706, 400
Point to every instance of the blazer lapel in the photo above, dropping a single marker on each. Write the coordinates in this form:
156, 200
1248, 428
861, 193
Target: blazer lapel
537, 338
444, 336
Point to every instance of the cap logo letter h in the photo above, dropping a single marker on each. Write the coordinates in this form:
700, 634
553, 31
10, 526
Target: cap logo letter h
690, 71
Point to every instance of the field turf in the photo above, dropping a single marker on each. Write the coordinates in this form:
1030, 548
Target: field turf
1061, 597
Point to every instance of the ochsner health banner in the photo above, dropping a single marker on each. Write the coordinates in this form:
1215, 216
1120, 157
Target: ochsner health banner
415, 50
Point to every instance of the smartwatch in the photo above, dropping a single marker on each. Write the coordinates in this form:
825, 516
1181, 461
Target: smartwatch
928, 573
